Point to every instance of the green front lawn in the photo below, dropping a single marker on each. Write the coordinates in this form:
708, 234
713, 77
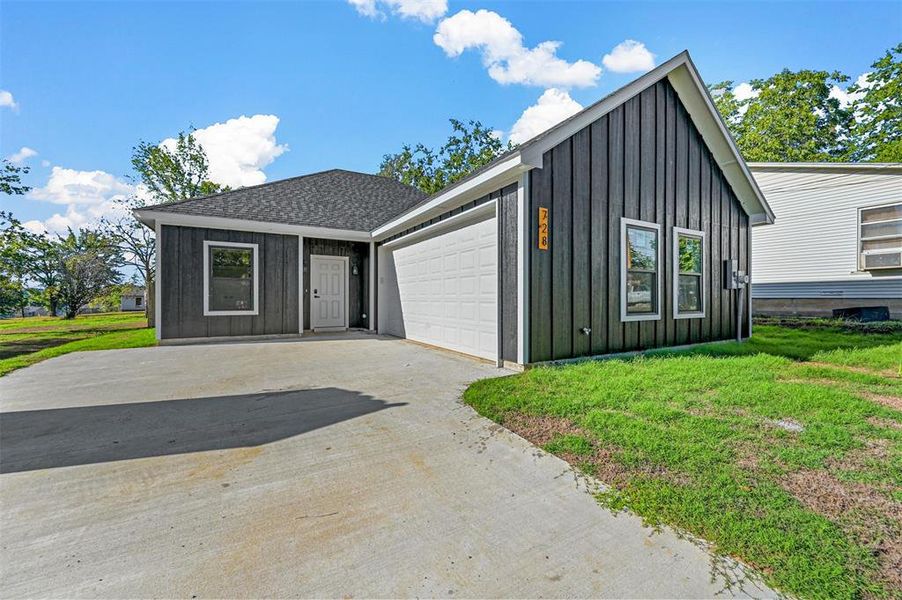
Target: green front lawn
784, 452
24, 342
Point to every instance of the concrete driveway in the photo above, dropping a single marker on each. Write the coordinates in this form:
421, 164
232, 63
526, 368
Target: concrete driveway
328, 468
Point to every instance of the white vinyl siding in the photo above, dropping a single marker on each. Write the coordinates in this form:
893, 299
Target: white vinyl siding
815, 236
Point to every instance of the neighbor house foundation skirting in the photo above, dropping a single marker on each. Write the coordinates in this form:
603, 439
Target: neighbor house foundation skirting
819, 307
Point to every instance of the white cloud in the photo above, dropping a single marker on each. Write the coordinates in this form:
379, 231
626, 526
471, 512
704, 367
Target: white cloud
426, 11
238, 149
45, 163
87, 195
505, 56
552, 107
629, 56
845, 97
24, 153
745, 91
7, 100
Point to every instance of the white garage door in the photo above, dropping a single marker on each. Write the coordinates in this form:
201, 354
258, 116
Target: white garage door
442, 290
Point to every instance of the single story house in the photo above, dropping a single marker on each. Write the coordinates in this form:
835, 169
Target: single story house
625, 227
838, 242
132, 299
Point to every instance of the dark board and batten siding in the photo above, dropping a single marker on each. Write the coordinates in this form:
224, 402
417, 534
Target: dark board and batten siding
182, 284
358, 254
643, 160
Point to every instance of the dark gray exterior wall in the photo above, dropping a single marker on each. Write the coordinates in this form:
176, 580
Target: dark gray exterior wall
358, 289
182, 284
507, 271
643, 160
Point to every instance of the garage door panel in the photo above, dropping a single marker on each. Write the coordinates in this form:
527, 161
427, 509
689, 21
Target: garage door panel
447, 289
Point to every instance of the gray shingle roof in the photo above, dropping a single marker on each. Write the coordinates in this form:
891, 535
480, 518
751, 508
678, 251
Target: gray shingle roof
336, 199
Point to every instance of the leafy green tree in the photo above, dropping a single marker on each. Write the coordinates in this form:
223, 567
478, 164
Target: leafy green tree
469, 147
13, 265
168, 175
790, 118
43, 254
89, 265
877, 133
10, 179
176, 174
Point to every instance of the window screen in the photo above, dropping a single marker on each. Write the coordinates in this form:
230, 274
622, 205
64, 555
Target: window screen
880, 237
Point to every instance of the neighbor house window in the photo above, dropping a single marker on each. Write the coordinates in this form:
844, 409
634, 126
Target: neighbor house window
138, 300
231, 279
640, 280
880, 237
689, 273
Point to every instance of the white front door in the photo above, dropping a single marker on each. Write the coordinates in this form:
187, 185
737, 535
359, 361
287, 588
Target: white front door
328, 292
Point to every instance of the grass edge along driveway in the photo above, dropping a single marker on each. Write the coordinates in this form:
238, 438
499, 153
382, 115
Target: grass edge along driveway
791, 465
26, 341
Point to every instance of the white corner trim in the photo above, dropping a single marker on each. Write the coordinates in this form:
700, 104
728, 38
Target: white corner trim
682, 231
656, 316
301, 285
523, 245
488, 181
231, 313
157, 279
371, 309
168, 218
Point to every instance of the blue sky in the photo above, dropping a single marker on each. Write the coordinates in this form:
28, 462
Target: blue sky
332, 87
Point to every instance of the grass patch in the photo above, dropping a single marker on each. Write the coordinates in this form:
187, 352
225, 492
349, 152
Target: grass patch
699, 440
24, 342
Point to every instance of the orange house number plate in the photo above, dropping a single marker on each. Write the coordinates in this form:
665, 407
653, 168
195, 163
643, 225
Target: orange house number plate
543, 228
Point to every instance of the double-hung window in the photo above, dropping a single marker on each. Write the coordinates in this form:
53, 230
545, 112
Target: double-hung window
640, 272
880, 237
688, 273
231, 279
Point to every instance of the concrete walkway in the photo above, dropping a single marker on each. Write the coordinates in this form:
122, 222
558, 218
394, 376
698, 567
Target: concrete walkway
327, 468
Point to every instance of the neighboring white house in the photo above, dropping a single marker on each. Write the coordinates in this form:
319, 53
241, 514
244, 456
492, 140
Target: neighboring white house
836, 242
132, 299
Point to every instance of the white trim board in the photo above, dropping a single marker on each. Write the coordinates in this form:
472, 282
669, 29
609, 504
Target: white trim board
256, 289
474, 214
153, 218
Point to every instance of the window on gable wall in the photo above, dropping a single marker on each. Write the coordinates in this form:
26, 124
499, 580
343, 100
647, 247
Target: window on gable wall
640, 281
880, 237
689, 273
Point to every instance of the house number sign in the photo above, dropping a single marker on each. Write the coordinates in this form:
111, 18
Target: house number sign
543, 228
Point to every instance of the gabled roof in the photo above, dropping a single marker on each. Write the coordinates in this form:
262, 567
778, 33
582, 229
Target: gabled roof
694, 95
334, 199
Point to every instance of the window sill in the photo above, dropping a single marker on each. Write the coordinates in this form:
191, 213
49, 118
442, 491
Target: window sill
230, 313
698, 315
628, 318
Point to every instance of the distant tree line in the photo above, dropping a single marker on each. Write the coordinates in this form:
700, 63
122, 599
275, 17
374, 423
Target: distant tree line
792, 116
65, 273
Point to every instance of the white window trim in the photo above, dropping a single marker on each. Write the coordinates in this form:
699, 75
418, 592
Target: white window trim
694, 233
861, 253
231, 313
656, 316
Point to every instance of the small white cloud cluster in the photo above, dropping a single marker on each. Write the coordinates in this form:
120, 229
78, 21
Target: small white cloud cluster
24, 153
239, 149
629, 56
552, 107
847, 98
426, 11
7, 100
505, 56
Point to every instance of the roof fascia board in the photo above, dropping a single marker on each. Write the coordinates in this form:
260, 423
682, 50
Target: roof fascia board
152, 218
491, 179
698, 102
887, 168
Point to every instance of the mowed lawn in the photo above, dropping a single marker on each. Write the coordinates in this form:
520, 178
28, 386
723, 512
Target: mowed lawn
784, 452
25, 341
